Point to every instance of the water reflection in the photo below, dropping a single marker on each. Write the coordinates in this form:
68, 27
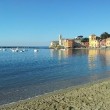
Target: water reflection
92, 58
48, 70
95, 57
105, 57
62, 53
66, 53
98, 58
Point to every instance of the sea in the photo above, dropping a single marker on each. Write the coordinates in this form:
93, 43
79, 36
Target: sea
27, 74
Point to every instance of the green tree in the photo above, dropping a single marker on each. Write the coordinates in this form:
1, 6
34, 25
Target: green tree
98, 38
104, 35
85, 40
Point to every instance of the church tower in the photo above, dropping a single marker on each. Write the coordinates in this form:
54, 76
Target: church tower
60, 39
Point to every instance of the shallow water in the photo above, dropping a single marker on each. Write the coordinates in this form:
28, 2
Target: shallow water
27, 74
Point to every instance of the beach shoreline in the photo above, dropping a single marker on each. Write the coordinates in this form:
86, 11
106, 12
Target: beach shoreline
88, 96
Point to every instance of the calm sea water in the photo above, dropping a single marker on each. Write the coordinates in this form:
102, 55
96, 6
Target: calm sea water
27, 74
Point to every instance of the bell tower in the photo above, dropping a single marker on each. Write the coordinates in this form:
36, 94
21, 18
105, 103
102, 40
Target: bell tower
60, 39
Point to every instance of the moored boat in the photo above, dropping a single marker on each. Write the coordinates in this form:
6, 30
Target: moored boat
35, 50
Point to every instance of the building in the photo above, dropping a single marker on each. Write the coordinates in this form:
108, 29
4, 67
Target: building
54, 44
85, 44
108, 42
68, 43
103, 43
94, 41
77, 43
61, 40
79, 37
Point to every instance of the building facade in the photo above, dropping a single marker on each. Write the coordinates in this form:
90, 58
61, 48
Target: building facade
93, 41
103, 43
108, 42
68, 43
61, 40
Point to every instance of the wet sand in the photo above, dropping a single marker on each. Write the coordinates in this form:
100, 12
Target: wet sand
94, 96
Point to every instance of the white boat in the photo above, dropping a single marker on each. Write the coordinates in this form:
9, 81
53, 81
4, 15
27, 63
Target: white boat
23, 50
3, 49
15, 50
35, 50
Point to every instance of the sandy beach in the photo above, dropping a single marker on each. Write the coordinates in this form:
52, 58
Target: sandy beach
94, 96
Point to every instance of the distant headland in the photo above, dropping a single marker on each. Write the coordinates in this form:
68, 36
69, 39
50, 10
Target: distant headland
93, 41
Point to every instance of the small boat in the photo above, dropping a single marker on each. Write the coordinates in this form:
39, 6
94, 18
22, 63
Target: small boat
3, 49
35, 50
15, 50
22, 50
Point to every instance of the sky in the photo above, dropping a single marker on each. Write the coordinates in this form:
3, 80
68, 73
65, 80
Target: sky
38, 22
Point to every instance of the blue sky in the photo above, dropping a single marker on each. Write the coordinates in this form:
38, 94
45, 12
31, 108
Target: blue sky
37, 22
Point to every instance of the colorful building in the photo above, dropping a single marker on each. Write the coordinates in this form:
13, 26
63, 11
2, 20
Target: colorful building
108, 42
93, 41
103, 43
68, 43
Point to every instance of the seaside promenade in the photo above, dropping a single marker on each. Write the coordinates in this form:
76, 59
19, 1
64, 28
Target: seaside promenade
92, 96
